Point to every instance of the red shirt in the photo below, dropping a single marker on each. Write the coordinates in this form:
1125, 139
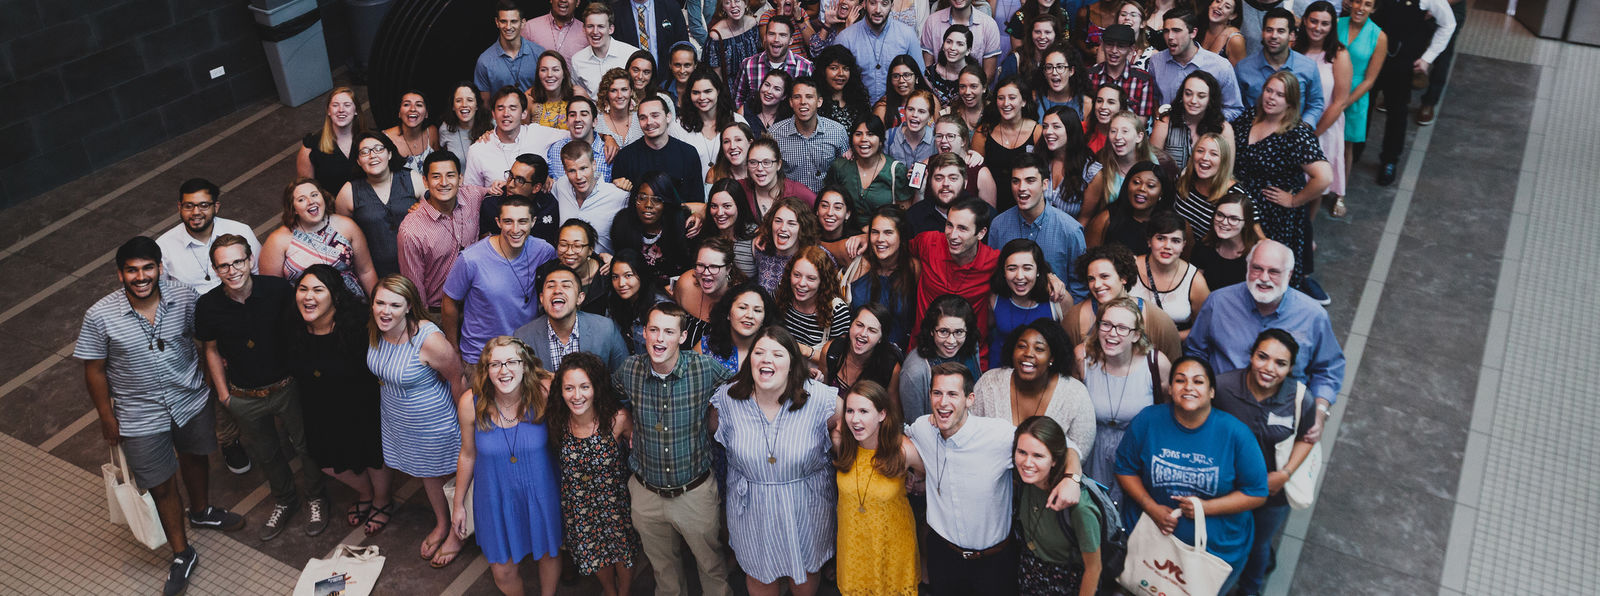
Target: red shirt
941, 275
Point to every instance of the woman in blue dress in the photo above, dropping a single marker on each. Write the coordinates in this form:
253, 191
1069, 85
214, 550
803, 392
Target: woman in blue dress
774, 421
505, 458
421, 375
1018, 297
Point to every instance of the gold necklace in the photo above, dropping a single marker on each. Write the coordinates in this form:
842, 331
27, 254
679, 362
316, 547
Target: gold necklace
861, 493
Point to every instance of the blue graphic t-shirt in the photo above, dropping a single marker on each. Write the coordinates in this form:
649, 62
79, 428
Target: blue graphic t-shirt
1176, 462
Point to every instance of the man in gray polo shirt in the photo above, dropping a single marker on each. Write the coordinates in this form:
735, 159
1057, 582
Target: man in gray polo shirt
142, 369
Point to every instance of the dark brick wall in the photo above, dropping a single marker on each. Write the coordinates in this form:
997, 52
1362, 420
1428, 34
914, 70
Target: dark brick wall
85, 83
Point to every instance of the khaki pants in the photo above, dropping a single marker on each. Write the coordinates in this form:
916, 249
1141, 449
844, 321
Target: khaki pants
693, 515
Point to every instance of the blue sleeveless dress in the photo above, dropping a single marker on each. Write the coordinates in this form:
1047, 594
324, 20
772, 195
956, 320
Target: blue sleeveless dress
516, 507
1007, 318
421, 435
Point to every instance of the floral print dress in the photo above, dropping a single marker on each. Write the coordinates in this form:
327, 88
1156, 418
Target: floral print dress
595, 503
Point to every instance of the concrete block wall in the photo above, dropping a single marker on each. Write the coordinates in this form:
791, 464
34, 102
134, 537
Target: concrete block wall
85, 83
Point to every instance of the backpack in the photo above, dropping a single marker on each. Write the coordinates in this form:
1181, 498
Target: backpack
1113, 537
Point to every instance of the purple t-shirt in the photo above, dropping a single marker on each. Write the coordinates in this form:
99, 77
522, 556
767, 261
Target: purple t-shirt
497, 295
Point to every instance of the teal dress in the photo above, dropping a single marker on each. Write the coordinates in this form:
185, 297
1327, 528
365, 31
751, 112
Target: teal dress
1361, 49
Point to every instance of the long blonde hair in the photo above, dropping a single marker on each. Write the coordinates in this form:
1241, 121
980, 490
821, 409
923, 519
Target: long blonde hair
1221, 182
531, 406
1291, 99
415, 313
327, 142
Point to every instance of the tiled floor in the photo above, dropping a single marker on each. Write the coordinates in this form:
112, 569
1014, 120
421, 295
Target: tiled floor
1461, 459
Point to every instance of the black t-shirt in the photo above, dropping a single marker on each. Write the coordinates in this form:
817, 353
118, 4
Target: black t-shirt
677, 159
249, 335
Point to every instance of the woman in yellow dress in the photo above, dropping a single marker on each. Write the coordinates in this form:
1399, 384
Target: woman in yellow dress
877, 547
548, 97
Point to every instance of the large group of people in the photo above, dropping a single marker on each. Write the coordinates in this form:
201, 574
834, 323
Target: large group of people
867, 291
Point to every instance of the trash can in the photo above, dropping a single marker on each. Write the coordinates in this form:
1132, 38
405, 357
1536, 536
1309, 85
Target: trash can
366, 16
291, 34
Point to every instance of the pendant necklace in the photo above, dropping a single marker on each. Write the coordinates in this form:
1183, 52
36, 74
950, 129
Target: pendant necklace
516, 427
772, 433
861, 493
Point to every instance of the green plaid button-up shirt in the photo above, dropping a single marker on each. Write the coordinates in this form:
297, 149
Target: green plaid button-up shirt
671, 443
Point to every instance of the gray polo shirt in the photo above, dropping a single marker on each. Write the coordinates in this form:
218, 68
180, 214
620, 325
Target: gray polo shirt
153, 370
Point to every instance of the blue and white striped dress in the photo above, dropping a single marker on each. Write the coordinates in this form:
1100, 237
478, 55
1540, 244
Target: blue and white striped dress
781, 516
421, 436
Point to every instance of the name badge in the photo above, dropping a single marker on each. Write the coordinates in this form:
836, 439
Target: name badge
1276, 420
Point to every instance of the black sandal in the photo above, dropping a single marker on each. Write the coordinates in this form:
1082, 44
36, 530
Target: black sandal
372, 518
361, 510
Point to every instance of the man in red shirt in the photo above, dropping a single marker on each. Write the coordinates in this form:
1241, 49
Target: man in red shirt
956, 261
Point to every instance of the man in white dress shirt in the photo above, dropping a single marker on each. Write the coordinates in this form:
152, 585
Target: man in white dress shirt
581, 194
603, 53
968, 459
491, 158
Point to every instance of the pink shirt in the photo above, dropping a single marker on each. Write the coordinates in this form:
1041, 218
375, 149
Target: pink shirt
431, 241
567, 40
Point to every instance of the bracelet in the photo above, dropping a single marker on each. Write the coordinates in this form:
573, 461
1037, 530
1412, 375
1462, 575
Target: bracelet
1324, 408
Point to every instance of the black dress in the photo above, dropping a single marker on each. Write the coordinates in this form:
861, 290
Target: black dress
1277, 161
331, 170
1000, 160
338, 398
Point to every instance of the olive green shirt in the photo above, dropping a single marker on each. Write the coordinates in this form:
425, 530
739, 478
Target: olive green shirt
1042, 532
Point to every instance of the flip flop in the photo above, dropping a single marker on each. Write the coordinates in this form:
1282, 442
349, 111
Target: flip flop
453, 555
431, 548
358, 513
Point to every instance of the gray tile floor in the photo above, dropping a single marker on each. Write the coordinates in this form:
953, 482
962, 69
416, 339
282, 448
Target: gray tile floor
1461, 459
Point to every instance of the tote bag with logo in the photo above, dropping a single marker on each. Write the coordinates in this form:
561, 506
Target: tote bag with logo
1301, 488
1162, 565
349, 571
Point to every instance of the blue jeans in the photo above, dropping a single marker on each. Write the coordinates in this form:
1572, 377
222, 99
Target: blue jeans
1269, 521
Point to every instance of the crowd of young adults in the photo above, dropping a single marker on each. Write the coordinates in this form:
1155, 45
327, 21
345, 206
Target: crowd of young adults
875, 283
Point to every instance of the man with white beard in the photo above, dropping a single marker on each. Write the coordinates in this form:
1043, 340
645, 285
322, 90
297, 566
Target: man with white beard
1227, 326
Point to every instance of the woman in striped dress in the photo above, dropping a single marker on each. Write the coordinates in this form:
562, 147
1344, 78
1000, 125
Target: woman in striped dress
774, 421
421, 376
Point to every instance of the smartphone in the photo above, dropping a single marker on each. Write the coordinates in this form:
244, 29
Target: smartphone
919, 171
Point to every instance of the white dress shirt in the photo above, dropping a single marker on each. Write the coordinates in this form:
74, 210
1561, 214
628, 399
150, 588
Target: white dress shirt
969, 479
599, 208
588, 69
490, 159
188, 261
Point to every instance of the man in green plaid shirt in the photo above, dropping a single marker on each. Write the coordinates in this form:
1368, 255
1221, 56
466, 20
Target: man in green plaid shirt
670, 393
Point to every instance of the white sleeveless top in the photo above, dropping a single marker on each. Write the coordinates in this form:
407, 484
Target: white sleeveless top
1175, 302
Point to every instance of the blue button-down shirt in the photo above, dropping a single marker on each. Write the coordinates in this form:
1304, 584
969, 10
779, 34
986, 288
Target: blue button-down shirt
1253, 72
903, 152
1169, 76
874, 50
602, 167
495, 69
649, 21
1228, 324
153, 369
1057, 234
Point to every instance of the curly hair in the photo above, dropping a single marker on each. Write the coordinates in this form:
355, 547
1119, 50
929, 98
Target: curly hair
605, 403
810, 225
827, 283
1119, 256
532, 401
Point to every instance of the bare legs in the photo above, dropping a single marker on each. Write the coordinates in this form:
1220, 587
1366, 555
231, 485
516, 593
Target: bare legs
508, 579
809, 588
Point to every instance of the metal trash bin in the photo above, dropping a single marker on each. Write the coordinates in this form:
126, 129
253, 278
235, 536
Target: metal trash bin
291, 34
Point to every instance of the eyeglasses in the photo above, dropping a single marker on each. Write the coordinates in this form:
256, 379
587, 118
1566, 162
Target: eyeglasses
1054, 67
516, 179
709, 267
903, 76
243, 263
379, 150
761, 163
644, 198
571, 246
502, 364
1231, 220
201, 206
1118, 330
943, 333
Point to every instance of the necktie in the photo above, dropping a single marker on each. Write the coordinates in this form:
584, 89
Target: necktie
644, 27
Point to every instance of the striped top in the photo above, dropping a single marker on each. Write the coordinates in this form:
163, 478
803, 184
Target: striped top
807, 329
421, 436
326, 246
780, 495
153, 370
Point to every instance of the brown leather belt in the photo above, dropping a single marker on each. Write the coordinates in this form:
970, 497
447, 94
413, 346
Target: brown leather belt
970, 554
675, 491
258, 392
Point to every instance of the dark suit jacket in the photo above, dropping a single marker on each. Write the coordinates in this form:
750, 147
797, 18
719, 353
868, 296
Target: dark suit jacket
596, 335
669, 28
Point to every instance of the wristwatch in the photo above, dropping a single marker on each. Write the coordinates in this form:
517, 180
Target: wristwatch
1076, 477
1323, 408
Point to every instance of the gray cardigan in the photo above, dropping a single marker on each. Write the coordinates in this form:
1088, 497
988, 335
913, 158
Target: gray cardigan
596, 335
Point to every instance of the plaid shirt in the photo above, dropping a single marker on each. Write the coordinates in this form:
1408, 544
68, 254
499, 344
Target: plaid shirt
671, 441
755, 69
559, 350
1139, 85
